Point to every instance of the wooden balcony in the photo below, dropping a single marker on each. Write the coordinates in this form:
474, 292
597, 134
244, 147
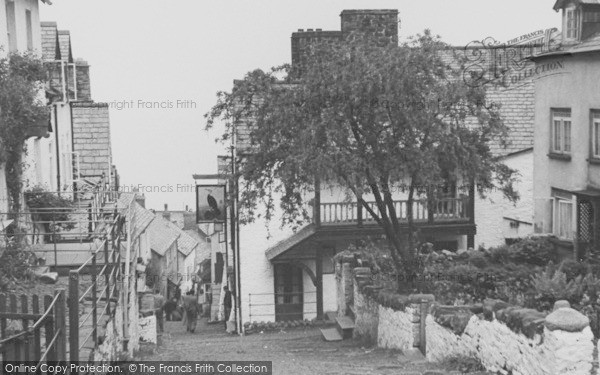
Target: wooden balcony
441, 211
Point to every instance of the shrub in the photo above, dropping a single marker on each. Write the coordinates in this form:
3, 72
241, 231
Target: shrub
499, 255
573, 268
537, 251
552, 285
15, 264
478, 260
48, 207
463, 364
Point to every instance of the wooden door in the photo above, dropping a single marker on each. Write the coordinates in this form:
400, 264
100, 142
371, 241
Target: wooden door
289, 299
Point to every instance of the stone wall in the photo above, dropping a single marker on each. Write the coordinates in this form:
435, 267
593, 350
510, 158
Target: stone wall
506, 339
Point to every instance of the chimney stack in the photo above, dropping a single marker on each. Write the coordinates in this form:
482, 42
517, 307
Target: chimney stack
166, 207
379, 24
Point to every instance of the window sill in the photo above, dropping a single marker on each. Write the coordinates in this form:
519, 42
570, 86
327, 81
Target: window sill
594, 161
554, 155
563, 242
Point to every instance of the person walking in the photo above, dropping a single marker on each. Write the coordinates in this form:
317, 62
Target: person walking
191, 310
170, 307
227, 304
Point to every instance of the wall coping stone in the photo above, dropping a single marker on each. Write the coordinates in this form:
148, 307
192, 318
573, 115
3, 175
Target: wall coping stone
455, 318
419, 298
567, 319
529, 322
362, 271
560, 304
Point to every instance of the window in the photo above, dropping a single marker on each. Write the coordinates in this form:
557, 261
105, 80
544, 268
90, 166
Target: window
561, 131
29, 26
11, 26
573, 17
563, 215
328, 265
596, 134
591, 17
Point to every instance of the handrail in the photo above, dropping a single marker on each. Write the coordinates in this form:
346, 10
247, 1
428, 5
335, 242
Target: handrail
50, 345
41, 320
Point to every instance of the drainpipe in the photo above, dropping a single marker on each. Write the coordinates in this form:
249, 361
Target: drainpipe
58, 158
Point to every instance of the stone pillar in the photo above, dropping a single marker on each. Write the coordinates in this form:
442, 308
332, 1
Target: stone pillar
568, 341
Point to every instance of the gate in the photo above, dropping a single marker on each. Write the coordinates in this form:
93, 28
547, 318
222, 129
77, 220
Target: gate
43, 337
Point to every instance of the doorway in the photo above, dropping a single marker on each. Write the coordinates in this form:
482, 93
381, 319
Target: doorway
289, 299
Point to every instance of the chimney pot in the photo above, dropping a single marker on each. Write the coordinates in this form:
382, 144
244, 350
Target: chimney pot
166, 207
187, 207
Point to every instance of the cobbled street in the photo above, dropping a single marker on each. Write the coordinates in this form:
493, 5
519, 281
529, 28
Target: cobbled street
292, 352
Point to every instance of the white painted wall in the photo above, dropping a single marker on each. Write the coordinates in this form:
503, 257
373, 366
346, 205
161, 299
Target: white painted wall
492, 228
575, 86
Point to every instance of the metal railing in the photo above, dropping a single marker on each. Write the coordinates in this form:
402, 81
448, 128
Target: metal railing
97, 284
277, 306
27, 344
101, 292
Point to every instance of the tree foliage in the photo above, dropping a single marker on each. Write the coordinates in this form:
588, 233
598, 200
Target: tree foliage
375, 120
21, 81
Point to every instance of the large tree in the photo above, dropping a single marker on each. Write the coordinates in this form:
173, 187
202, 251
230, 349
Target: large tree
372, 119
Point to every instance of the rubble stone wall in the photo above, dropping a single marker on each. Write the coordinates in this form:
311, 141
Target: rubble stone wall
505, 338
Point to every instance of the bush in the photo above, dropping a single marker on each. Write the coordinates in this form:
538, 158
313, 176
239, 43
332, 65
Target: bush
573, 268
537, 251
463, 364
15, 264
41, 204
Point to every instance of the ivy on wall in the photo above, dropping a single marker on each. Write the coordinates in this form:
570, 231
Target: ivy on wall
22, 77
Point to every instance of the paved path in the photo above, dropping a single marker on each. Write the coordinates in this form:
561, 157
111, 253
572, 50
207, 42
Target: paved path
293, 352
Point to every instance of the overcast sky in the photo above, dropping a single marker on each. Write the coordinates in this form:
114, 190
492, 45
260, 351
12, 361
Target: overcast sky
187, 50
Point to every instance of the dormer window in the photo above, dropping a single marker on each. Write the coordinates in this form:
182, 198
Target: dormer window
573, 23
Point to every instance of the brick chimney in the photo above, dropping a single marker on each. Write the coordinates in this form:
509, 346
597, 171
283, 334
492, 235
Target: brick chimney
166, 214
381, 24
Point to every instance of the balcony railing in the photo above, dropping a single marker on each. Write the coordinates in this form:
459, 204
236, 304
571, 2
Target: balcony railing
441, 210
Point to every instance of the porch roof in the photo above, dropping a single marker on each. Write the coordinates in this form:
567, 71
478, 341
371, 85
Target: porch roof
588, 193
290, 242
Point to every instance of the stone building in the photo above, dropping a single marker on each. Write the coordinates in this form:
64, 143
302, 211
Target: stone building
567, 132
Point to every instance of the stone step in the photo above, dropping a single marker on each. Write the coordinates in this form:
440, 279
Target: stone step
345, 326
331, 334
351, 312
331, 315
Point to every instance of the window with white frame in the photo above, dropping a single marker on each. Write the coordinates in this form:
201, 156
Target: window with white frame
596, 134
561, 131
573, 22
563, 207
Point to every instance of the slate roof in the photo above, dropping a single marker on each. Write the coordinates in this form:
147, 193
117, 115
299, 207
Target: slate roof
561, 3
161, 234
142, 219
591, 44
294, 240
516, 101
185, 243
203, 249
